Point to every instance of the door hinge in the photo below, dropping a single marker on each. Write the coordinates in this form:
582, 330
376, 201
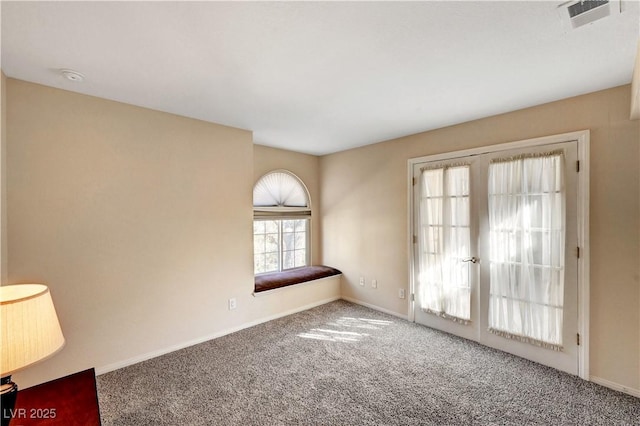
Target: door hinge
577, 166
413, 297
578, 252
413, 181
415, 239
578, 339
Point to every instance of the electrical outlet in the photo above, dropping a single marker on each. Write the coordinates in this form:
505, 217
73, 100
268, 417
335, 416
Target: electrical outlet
232, 304
401, 293
362, 281
374, 283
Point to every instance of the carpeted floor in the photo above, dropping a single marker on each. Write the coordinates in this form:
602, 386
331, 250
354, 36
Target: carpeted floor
344, 364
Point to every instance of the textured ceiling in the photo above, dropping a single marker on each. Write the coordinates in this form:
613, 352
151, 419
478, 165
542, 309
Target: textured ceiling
320, 77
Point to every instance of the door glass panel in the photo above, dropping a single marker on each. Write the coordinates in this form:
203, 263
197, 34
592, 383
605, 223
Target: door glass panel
444, 242
526, 226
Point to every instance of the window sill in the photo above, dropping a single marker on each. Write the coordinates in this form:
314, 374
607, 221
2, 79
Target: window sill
274, 280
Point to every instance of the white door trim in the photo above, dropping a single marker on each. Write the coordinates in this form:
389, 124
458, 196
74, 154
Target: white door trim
582, 138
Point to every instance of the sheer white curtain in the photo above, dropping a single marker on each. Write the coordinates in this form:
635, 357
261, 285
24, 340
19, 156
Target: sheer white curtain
527, 248
444, 242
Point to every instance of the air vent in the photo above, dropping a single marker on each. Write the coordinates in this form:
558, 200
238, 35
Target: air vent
581, 7
579, 13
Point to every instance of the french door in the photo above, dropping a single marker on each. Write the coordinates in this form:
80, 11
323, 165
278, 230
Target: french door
494, 250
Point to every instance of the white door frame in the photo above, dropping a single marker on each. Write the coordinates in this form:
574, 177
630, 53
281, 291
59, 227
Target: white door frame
582, 138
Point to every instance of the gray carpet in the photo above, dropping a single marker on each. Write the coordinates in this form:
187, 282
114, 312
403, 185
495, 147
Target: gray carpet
344, 364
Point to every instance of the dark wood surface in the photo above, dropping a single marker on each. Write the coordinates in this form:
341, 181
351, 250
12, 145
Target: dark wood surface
70, 401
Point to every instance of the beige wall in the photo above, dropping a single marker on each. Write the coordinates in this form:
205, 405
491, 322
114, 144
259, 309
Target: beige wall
364, 210
306, 167
139, 221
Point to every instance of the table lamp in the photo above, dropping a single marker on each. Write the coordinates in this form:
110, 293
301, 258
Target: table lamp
30, 333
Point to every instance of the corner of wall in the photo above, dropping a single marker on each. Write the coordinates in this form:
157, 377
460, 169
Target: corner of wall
635, 89
3, 181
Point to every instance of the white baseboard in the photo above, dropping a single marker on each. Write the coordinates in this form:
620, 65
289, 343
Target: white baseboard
375, 308
149, 355
615, 386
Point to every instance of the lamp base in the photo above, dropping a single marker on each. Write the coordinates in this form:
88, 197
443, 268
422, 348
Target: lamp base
8, 393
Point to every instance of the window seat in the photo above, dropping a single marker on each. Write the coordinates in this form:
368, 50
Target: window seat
289, 277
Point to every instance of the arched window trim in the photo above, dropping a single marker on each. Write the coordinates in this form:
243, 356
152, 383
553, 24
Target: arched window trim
280, 210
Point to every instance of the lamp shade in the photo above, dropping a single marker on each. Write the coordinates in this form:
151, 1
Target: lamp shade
30, 327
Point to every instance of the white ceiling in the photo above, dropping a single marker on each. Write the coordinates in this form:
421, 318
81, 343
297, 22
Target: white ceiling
320, 77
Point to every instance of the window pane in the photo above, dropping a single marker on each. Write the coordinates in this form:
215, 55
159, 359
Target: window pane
432, 181
271, 262
458, 181
300, 258
271, 243
288, 225
300, 240
431, 210
258, 244
460, 211
271, 226
287, 259
301, 225
287, 241
258, 226
258, 263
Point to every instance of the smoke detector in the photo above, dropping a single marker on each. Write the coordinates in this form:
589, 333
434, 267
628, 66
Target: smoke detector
72, 75
575, 14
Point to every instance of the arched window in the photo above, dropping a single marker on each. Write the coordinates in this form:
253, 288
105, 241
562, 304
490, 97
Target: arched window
281, 216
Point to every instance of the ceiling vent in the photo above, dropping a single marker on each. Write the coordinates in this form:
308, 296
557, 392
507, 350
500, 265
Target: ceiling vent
575, 14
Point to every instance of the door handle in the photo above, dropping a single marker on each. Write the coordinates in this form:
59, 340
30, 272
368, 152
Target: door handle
472, 260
